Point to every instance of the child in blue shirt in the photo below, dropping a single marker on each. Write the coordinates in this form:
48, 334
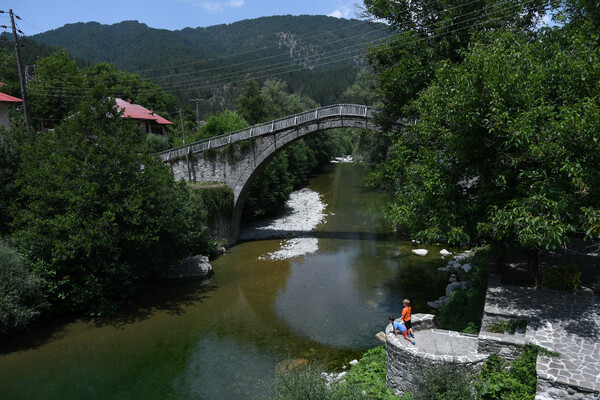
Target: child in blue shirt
399, 327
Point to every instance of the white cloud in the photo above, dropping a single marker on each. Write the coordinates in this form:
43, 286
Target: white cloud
341, 12
220, 6
236, 3
212, 8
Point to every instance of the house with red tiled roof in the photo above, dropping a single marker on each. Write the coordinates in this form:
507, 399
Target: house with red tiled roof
147, 120
6, 101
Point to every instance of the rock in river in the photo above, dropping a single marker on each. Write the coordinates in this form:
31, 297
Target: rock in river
196, 267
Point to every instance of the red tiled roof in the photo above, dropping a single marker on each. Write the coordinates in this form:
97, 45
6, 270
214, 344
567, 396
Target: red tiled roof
136, 111
5, 98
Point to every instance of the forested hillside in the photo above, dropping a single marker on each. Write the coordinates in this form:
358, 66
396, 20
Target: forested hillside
316, 56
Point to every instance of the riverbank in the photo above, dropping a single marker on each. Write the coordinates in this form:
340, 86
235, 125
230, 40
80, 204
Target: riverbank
301, 214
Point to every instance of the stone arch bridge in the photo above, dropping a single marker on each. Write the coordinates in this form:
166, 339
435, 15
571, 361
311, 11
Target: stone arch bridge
236, 158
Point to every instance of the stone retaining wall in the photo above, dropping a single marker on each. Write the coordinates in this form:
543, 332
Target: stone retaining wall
507, 346
406, 363
549, 389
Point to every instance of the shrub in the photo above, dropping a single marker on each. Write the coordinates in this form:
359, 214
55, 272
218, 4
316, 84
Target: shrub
306, 382
369, 375
516, 380
156, 143
562, 277
507, 326
443, 382
21, 291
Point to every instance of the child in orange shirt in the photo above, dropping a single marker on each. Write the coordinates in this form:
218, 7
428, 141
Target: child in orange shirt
406, 317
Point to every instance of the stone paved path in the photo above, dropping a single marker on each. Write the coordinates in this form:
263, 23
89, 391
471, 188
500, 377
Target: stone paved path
566, 323
439, 342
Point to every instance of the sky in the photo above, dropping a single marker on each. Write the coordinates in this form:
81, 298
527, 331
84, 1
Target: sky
43, 15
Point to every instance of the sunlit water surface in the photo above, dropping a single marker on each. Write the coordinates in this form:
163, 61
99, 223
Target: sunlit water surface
223, 339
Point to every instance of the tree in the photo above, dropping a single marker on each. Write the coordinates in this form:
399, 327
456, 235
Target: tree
429, 32
220, 124
57, 89
251, 105
97, 213
506, 146
21, 291
126, 85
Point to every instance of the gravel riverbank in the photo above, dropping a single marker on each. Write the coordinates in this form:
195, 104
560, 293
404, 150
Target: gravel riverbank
303, 212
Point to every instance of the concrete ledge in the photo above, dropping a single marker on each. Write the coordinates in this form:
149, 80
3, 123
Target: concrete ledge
424, 321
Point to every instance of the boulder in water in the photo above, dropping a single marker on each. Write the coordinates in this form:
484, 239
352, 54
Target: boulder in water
196, 267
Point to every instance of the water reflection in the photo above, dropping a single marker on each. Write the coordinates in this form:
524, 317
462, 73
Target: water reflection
219, 341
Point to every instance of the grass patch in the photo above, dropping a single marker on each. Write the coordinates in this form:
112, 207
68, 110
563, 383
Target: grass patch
510, 326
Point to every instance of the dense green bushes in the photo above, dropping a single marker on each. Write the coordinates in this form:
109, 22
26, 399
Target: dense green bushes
21, 291
443, 382
306, 382
369, 375
562, 277
510, 380
97, 214
366, 380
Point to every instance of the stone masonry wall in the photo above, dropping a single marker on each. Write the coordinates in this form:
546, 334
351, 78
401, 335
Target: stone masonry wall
405, 364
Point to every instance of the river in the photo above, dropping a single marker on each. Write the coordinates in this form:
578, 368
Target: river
222, 339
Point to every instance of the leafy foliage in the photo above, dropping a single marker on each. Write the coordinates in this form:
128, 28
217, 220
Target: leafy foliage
21, 291
562, 277
502, 379
306, 382
369, 375
11, 143
291, 167
505, 145
507, 326
443, 382
97, 214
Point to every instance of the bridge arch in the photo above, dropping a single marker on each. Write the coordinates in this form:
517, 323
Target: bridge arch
253, 147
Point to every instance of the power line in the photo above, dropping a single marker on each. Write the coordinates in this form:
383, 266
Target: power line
313, 57
181, 86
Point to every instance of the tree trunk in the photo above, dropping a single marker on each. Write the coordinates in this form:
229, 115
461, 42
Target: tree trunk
534, 266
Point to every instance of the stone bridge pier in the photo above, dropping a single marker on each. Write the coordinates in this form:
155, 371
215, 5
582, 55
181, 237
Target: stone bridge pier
237, 158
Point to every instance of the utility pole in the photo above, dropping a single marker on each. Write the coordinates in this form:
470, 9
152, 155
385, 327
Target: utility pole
187, 158
182, 128
20, 68
197, 112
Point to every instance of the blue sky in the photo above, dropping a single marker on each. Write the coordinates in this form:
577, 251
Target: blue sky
43, 15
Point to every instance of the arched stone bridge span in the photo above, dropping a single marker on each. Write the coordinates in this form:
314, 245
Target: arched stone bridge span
236, 158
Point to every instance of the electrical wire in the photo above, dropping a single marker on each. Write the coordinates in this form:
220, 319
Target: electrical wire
184, 86
290, 62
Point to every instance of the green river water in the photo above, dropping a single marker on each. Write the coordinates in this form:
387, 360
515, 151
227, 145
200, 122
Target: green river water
222, 339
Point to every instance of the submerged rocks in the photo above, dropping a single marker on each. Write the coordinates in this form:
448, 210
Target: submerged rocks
196, 267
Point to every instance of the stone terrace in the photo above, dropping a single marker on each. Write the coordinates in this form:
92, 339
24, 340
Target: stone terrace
563, 322
406, 362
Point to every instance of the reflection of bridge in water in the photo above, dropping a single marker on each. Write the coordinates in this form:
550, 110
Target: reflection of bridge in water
236, 158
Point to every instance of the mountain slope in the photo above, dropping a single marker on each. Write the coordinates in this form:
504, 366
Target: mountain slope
307, 52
